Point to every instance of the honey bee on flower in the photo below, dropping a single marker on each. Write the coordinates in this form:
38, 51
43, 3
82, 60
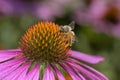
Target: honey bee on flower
67, 31
45, 53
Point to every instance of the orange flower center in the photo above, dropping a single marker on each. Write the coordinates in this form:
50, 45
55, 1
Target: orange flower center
45, 42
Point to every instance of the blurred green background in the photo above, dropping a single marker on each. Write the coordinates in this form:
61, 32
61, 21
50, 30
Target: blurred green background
90, 41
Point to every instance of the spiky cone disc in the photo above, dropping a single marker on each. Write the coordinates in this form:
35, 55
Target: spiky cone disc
45, 42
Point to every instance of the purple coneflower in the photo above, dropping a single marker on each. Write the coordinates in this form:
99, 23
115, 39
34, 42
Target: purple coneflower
48, 10
11, 7
103, 15
45, 53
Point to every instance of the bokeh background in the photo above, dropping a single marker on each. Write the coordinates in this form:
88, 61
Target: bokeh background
97, 26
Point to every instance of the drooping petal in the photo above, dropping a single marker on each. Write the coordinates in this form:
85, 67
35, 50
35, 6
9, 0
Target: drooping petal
8, 54
83, 71
11, 63
19, 73
87, 71
24, 72
70, 72
97, 73
59, 74
34, 73
75, 70
10, 50
5, 69
86, 57
48, 74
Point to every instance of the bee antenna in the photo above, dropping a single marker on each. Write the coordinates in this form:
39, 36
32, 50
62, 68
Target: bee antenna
72, 24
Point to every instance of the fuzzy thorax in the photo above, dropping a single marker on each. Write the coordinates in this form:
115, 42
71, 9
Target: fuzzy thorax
45, 42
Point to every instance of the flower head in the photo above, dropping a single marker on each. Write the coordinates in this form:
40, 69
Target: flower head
103, 15
45, 54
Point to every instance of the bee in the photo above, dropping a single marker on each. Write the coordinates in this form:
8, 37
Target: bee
67, 31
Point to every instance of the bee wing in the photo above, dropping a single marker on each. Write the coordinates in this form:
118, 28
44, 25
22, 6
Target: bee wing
72, 25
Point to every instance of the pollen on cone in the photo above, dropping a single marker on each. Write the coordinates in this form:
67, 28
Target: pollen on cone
44, 42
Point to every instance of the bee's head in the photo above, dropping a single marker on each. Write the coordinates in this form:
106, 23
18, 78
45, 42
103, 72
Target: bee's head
67, 28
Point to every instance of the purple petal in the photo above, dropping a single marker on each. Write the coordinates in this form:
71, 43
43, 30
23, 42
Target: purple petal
24, 72
87, 71
97, 73
59, 74
37, 73
86, 57
17, 74
8, 54
70, 72
10, 50
34, 73
98, 11
48, 75
75, 70
116, 31
11, 63
83, 71
7, 69
6, 7
5, 58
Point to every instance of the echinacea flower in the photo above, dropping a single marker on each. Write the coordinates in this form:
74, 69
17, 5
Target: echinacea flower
11, 7
102, 15
44, 9
49, 9
45, 53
